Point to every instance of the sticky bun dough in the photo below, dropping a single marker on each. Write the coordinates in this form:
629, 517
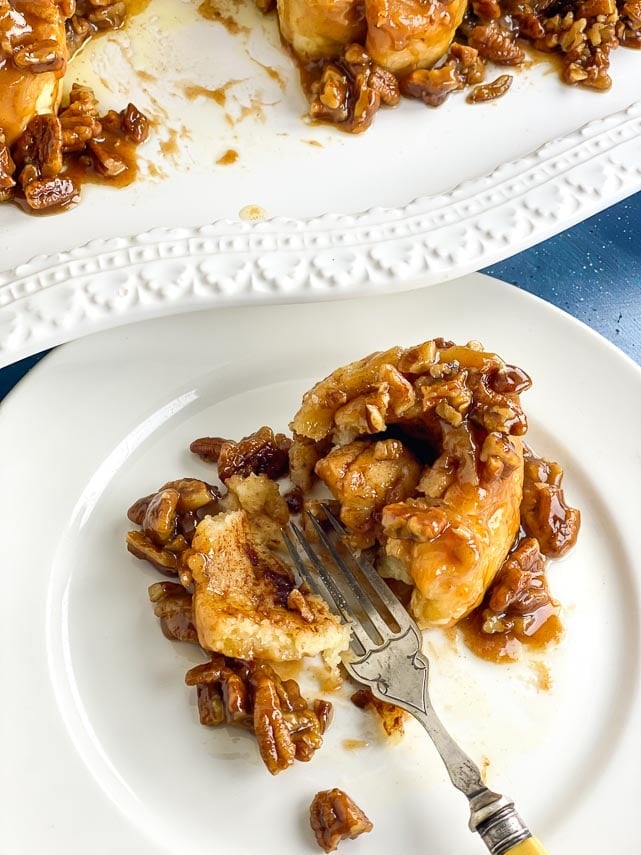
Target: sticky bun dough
403, 35
246, 604
33, 61
319, 29
427, 463
399, 35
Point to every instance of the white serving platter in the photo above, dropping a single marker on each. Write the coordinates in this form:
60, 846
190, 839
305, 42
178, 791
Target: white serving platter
424, 196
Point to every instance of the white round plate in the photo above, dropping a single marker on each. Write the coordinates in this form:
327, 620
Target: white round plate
102, 751
424, 196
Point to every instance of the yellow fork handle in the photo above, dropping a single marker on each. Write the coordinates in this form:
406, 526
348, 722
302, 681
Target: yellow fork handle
531, 846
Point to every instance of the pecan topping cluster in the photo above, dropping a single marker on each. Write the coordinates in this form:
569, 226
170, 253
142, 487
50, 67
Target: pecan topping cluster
92, 16
461, 68
519, 599
583, 34
260, 452
168, 519
544, 512
38, 166
237, 692
351, 89
251, 695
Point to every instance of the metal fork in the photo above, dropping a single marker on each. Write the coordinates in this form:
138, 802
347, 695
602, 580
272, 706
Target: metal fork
385, 655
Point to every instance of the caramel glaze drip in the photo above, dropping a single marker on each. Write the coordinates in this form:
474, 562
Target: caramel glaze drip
518, 608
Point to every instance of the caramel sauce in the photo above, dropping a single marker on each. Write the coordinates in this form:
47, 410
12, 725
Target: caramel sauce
82, 170
271, 72
212, 10
230, 156
354, 744
546, 628
328, 680
146, 76
169, 147
543, 676
219, 95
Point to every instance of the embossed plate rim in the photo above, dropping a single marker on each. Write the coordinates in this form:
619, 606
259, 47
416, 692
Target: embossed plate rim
106, 282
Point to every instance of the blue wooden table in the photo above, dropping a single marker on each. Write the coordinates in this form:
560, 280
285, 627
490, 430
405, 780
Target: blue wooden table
592, 271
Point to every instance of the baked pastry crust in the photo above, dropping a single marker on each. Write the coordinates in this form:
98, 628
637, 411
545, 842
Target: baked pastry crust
245, 603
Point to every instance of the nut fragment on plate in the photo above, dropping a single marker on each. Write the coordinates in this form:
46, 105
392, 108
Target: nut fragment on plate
391, 717
251, 695
334, 817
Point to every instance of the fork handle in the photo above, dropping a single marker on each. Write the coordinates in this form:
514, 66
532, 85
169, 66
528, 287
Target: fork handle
531, 846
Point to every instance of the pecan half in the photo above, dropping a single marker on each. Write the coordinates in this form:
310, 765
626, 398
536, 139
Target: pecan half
334, 816
46, 193
496, 44
490, 91
172, 604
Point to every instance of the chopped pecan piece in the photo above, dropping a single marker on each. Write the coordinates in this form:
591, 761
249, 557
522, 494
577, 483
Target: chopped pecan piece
108, 162
211, 707
496, 44
432, 85
7, 166
335, 817
162, 559
392, 718
172, 604
544, 512
39, 57
208, 448
159, 521
135, 124
41, 146
272, 732
488, 9
490, 91
108, 17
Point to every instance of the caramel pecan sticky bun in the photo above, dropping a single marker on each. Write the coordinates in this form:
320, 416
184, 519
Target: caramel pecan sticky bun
33, 61
427, 462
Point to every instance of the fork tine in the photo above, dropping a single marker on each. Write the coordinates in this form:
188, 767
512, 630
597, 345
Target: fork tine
331, 592
368, 607
394, 607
